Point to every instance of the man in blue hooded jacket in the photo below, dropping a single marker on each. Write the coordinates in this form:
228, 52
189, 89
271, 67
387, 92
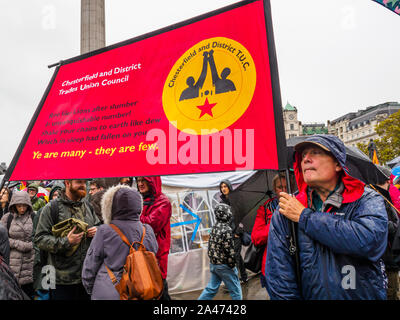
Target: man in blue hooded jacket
341, 230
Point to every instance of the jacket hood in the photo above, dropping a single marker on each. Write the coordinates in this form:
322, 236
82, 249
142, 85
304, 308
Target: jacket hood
121, 202
154, 185
20, 197
223, 213
33, 186
56, 187
229, 184
353, 187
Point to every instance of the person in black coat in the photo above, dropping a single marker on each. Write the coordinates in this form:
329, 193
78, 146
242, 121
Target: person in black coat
389, 258
225, 187
4, 244
5, 196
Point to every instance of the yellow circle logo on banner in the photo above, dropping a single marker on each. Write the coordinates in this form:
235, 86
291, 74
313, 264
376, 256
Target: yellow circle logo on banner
210, 86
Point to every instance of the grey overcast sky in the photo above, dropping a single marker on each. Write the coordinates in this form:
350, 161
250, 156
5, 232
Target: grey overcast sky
334, 57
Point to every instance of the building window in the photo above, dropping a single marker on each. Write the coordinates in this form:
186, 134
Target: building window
291, 126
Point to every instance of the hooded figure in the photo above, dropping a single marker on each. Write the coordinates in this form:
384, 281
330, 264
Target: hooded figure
58, 187
121, 206
20, 238
37, 202
224, 198
157, 212
220, 249
340, 240
222, 256
238, 233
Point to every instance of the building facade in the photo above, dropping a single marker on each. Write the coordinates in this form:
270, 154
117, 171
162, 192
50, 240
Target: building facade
359, 127
293, 126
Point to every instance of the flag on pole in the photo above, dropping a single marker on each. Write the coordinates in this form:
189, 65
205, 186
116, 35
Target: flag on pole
199, 96
393, 5
375, 158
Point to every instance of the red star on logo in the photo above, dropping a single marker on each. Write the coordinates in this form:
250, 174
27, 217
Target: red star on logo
206, 108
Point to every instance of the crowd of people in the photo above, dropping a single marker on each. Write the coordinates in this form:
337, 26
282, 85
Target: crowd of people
347, 234
71, 232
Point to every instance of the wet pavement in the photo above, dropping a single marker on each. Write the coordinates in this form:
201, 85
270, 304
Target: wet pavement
250, 291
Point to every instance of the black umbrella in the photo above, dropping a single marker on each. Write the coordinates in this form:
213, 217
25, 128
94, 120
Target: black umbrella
247, 197
250, 195
358, 164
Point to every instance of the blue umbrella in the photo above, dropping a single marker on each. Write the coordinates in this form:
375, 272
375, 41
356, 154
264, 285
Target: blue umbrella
396, 171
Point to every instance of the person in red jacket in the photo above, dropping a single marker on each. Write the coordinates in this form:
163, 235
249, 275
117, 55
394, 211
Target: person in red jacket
157, 212
259, 234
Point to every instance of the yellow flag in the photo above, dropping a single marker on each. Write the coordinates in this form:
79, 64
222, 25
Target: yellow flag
375, 158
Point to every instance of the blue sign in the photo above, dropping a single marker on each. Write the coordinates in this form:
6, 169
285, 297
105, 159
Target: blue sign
197, 220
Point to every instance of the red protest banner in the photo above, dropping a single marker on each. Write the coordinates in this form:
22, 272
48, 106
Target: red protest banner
200, 96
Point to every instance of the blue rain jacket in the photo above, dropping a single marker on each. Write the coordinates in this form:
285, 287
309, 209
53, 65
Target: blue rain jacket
340, 250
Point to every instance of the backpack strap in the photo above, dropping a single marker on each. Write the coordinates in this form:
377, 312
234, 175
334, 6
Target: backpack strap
123, 237
111, 275
54, 210
144, 232
125, 240
9, 220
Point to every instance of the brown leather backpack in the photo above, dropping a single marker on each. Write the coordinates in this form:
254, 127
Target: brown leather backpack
141, 277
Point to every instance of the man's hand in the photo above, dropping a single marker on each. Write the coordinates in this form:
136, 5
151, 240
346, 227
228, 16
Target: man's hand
91, 232
290, 207
74, 238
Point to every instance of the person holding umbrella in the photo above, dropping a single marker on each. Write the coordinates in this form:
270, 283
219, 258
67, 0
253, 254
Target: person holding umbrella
342, 230
259, 234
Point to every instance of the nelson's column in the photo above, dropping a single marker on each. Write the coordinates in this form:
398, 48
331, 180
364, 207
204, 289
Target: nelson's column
92, 25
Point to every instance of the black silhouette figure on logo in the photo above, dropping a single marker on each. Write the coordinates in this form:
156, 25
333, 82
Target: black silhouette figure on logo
221, 84
192, 91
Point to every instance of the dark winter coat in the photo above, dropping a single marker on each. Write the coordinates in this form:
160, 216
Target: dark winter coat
121, 205
95, 200
9, 287
4, 244
220, 244
68, 268
237, 230
157, 212
20, 238
340, 247
393, 224
259, 234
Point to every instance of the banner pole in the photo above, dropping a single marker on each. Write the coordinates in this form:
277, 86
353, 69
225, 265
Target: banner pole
293, 247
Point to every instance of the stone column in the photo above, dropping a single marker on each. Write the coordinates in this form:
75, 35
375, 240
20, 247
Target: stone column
92, 25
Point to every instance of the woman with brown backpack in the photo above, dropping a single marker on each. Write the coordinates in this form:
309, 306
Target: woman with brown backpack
108, 252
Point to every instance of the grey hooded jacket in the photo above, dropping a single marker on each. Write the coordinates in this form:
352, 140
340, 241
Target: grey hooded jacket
121, 206
20, 238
